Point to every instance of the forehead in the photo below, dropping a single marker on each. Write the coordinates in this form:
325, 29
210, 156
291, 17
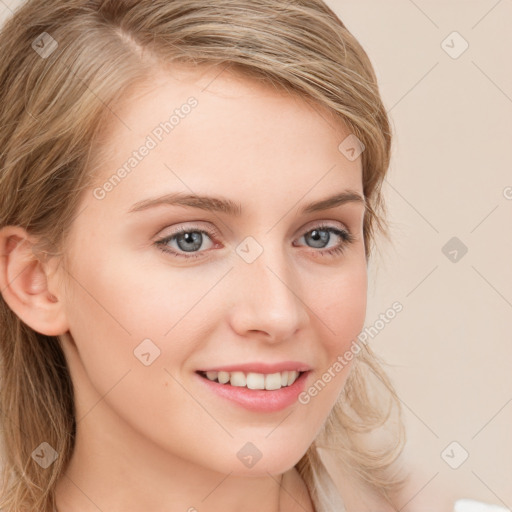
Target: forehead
239, 131
219, 87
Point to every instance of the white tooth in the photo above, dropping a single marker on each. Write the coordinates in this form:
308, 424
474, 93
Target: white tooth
273, 381
255, 381
284, 379
223, 377
292, 377
238, 379
212, 375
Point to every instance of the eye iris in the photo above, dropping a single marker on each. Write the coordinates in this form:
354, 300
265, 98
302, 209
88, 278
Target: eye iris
192, 237
321, 236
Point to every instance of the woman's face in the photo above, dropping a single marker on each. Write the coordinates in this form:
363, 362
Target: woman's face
256, 287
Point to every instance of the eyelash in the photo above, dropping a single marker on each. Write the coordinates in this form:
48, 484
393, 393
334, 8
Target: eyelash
345, 235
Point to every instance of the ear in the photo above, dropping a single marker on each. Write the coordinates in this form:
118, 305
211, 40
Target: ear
24, 279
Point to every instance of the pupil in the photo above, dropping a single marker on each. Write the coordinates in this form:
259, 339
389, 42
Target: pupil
319, 236
193, 238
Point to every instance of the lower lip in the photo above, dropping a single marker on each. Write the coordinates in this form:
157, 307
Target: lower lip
258, 400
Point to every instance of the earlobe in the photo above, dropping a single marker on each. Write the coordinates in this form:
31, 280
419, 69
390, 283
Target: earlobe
24, 284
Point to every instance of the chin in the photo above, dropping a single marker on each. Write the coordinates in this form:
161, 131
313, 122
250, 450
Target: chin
266, 456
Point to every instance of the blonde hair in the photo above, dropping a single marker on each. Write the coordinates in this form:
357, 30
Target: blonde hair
53, 108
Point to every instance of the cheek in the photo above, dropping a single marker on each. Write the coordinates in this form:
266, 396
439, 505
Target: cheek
131, 316
123, 321
342, 309
133, 301
341, 315
118, 322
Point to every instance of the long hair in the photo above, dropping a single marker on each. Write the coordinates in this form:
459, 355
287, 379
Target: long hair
65, 64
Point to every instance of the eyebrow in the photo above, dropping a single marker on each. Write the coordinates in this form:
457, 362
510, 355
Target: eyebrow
223, 205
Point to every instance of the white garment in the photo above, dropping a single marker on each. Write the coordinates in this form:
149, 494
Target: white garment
464, 505
468, 506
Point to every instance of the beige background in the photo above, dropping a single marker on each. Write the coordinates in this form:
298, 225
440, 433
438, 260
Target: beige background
450, 349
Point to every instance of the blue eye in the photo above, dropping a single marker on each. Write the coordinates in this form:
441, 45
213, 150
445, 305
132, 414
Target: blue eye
321, 236
190, 239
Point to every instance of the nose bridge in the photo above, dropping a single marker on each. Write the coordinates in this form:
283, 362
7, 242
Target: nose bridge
269, 291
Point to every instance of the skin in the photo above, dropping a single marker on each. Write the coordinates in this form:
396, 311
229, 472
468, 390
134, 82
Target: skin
153, 437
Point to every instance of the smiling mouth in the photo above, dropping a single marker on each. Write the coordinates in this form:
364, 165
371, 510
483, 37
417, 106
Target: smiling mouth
250, 380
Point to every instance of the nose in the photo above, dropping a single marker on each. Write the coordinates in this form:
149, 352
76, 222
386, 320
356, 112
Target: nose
268, 301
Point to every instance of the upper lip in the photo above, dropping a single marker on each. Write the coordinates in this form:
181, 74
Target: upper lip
261, 367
